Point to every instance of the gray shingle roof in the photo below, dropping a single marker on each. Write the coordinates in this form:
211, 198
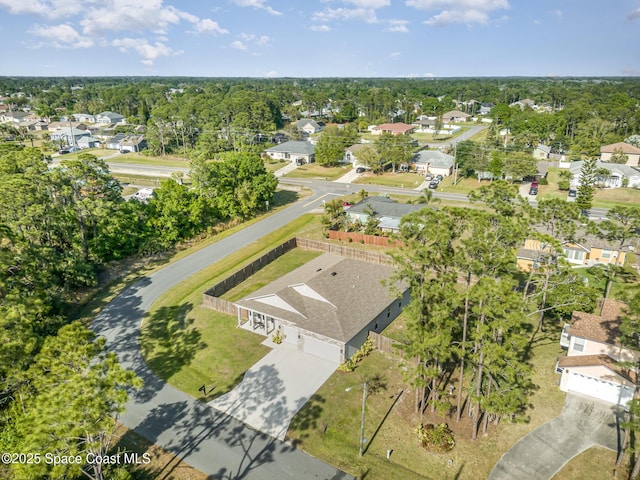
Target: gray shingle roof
385, 207
434, 158
352, 289
295, 147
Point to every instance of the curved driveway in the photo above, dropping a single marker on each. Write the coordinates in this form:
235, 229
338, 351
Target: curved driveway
205, 438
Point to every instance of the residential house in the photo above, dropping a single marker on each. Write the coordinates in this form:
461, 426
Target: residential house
388, 212
594, 351
618, 174
632, 153
393, 128
485, 108
109, 118
326, 307
455, 116
70, 135
351, 154
309, 126
433, 161
526, 103
126, 142
586, 250
13, 117
297, 151
83, 117
424, 125
89, 142
542, 152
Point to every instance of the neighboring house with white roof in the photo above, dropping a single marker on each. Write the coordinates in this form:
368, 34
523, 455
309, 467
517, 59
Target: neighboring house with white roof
89, 142
309, 126
594, 351
433, 161
617, 173
632, 153
542, 152
127, 143
296, 150
326, 307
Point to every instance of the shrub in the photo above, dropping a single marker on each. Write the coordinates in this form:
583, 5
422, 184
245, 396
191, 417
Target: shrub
347, 366
278, 337
563, 185
544, 181
436, 438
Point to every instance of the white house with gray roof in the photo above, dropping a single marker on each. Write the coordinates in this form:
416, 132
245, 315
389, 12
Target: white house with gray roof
326, 307
617, 173
387, 211
433, 161
108, 118
296, 150
309, 126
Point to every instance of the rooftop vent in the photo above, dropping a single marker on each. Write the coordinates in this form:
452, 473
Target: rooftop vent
333, 274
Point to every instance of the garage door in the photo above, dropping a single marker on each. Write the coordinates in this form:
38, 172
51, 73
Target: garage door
607, 391
322, 349
290, 334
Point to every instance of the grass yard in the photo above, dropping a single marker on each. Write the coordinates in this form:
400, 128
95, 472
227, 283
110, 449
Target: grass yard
612, 197
598, 461
141, 159
401, 180
275, 165
142, 180
276, 269
328, 425
189, 345
318, 172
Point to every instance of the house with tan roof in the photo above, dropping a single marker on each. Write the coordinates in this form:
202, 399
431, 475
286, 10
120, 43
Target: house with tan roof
326, 307
595, 355
393, 128
585, 249
632, 153
455, 116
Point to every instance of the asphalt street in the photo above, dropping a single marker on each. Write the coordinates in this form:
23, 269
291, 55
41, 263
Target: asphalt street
205, 438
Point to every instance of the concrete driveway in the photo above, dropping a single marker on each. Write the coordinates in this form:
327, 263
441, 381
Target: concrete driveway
274, 389
583, 423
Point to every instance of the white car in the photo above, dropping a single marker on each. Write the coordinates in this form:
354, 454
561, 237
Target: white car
143, 194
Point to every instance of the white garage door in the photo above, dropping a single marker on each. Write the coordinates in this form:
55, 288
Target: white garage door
290, 334
322, 349
607, 391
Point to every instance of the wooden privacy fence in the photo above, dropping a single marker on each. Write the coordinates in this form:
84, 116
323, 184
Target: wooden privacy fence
211, 297
362, 238
386, 344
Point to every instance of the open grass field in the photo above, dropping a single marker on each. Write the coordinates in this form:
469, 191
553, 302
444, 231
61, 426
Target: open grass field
140, 159
318, 172
275, 165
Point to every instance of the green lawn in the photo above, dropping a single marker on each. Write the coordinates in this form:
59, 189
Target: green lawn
276, 269
401, 180
189, 345
318, 172
274, 165
140, 159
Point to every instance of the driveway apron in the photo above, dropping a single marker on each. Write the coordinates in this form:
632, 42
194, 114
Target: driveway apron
583, 423
274, 389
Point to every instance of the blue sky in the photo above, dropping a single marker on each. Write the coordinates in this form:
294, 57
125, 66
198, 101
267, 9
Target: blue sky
320, 38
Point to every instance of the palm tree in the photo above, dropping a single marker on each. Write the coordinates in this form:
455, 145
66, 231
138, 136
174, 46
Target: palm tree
426, 197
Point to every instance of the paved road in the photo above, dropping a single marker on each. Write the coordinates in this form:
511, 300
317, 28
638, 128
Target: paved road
583, 423
205, 438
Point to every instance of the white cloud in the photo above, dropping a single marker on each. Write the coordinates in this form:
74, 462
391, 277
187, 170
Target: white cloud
374, 4
394, 55
320, 28
263, 40
558, 13
238, 45
271, 74
142, 47
332, 14
259, 4
634, 14
46, 8
61, 36
459, 11
398, 26
206, 25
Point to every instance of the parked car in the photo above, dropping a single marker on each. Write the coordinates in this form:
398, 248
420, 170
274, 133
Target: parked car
535, 184
428, 177
439, 178
433, 185
63, 150
572, 193
533, 191
143, 194
360, 170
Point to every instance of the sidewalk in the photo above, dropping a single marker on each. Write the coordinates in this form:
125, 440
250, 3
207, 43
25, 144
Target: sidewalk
348, 177
284, 170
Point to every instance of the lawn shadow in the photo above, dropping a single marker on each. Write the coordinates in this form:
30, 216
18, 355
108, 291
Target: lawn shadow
393, 404
168, 340
284, 197
307, 418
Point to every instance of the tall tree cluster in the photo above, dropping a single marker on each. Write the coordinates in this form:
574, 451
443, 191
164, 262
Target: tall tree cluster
470, 313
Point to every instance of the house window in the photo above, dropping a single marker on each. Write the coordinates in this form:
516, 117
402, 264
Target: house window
578, 344
575, 255
606, 254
